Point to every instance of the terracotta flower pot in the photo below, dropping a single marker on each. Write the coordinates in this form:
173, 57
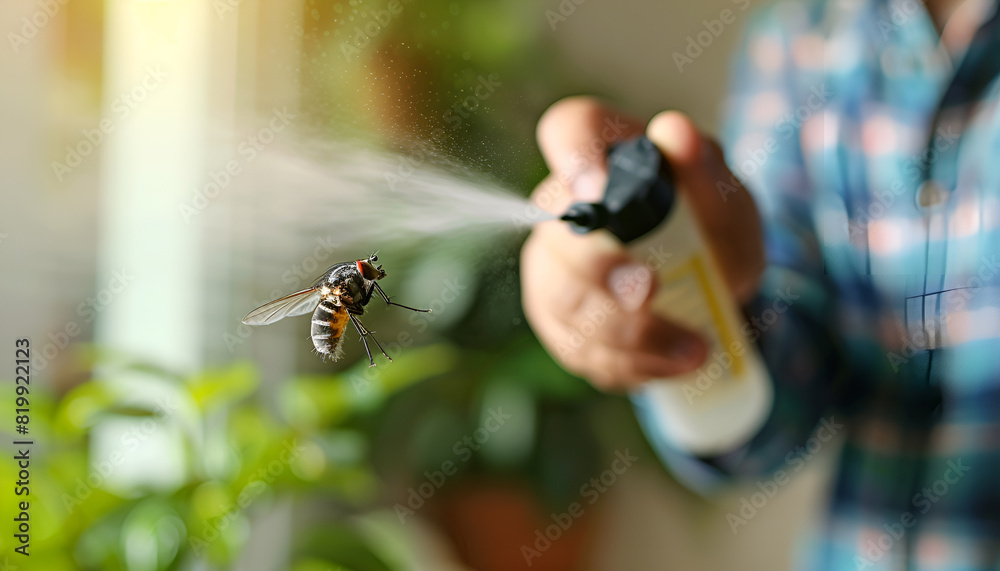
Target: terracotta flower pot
501, 526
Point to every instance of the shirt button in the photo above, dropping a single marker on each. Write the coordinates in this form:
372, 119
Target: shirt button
931, 195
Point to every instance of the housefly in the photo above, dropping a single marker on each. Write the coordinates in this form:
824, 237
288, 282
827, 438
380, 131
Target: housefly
336, 297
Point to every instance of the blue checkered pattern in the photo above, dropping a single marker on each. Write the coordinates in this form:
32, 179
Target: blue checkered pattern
874, 155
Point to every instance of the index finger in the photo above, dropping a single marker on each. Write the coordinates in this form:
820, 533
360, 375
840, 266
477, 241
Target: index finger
574, 135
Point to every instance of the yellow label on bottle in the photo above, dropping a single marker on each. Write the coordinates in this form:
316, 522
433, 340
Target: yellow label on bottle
684, 289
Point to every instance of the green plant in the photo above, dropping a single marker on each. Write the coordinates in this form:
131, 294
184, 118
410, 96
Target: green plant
227, 454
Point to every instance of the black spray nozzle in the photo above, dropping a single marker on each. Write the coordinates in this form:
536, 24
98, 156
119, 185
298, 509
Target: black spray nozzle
586, 216
638, 197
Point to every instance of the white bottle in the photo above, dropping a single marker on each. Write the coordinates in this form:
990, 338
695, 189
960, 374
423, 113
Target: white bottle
718, 407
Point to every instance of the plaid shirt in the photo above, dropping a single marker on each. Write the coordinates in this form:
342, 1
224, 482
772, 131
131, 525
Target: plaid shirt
874, 156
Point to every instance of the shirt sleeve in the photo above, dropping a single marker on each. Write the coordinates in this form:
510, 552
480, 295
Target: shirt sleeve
790, 320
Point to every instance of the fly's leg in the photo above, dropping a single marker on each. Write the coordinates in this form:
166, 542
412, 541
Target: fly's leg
387, 301
366, 294
361, 331
365, 333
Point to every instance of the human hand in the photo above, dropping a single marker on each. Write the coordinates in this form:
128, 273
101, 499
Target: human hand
585, 298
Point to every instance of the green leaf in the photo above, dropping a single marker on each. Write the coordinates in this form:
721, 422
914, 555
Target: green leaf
341, 544
309, 402
370, 386
82, 407
216, 388
314, 564
527, 364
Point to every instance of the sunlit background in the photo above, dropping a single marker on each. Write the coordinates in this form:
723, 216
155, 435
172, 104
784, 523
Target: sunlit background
145, 148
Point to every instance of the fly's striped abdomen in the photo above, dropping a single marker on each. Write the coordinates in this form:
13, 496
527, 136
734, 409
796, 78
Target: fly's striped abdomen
328, 324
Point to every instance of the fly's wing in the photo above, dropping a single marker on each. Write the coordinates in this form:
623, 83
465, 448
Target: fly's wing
298, 303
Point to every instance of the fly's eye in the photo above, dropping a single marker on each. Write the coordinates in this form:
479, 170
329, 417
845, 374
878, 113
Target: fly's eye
368, 271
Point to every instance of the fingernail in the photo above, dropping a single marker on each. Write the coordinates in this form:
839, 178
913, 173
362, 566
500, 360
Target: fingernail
588, 184
631, 285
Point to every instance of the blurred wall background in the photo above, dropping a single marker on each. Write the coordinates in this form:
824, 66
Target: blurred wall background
232, 66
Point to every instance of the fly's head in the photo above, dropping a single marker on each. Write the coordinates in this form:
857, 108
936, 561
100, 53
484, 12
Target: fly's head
369, 270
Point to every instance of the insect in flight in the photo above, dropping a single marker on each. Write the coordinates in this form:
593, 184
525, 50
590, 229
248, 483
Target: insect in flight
336, 297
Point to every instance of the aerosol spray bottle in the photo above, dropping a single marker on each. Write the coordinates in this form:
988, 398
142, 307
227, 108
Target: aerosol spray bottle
712, 409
